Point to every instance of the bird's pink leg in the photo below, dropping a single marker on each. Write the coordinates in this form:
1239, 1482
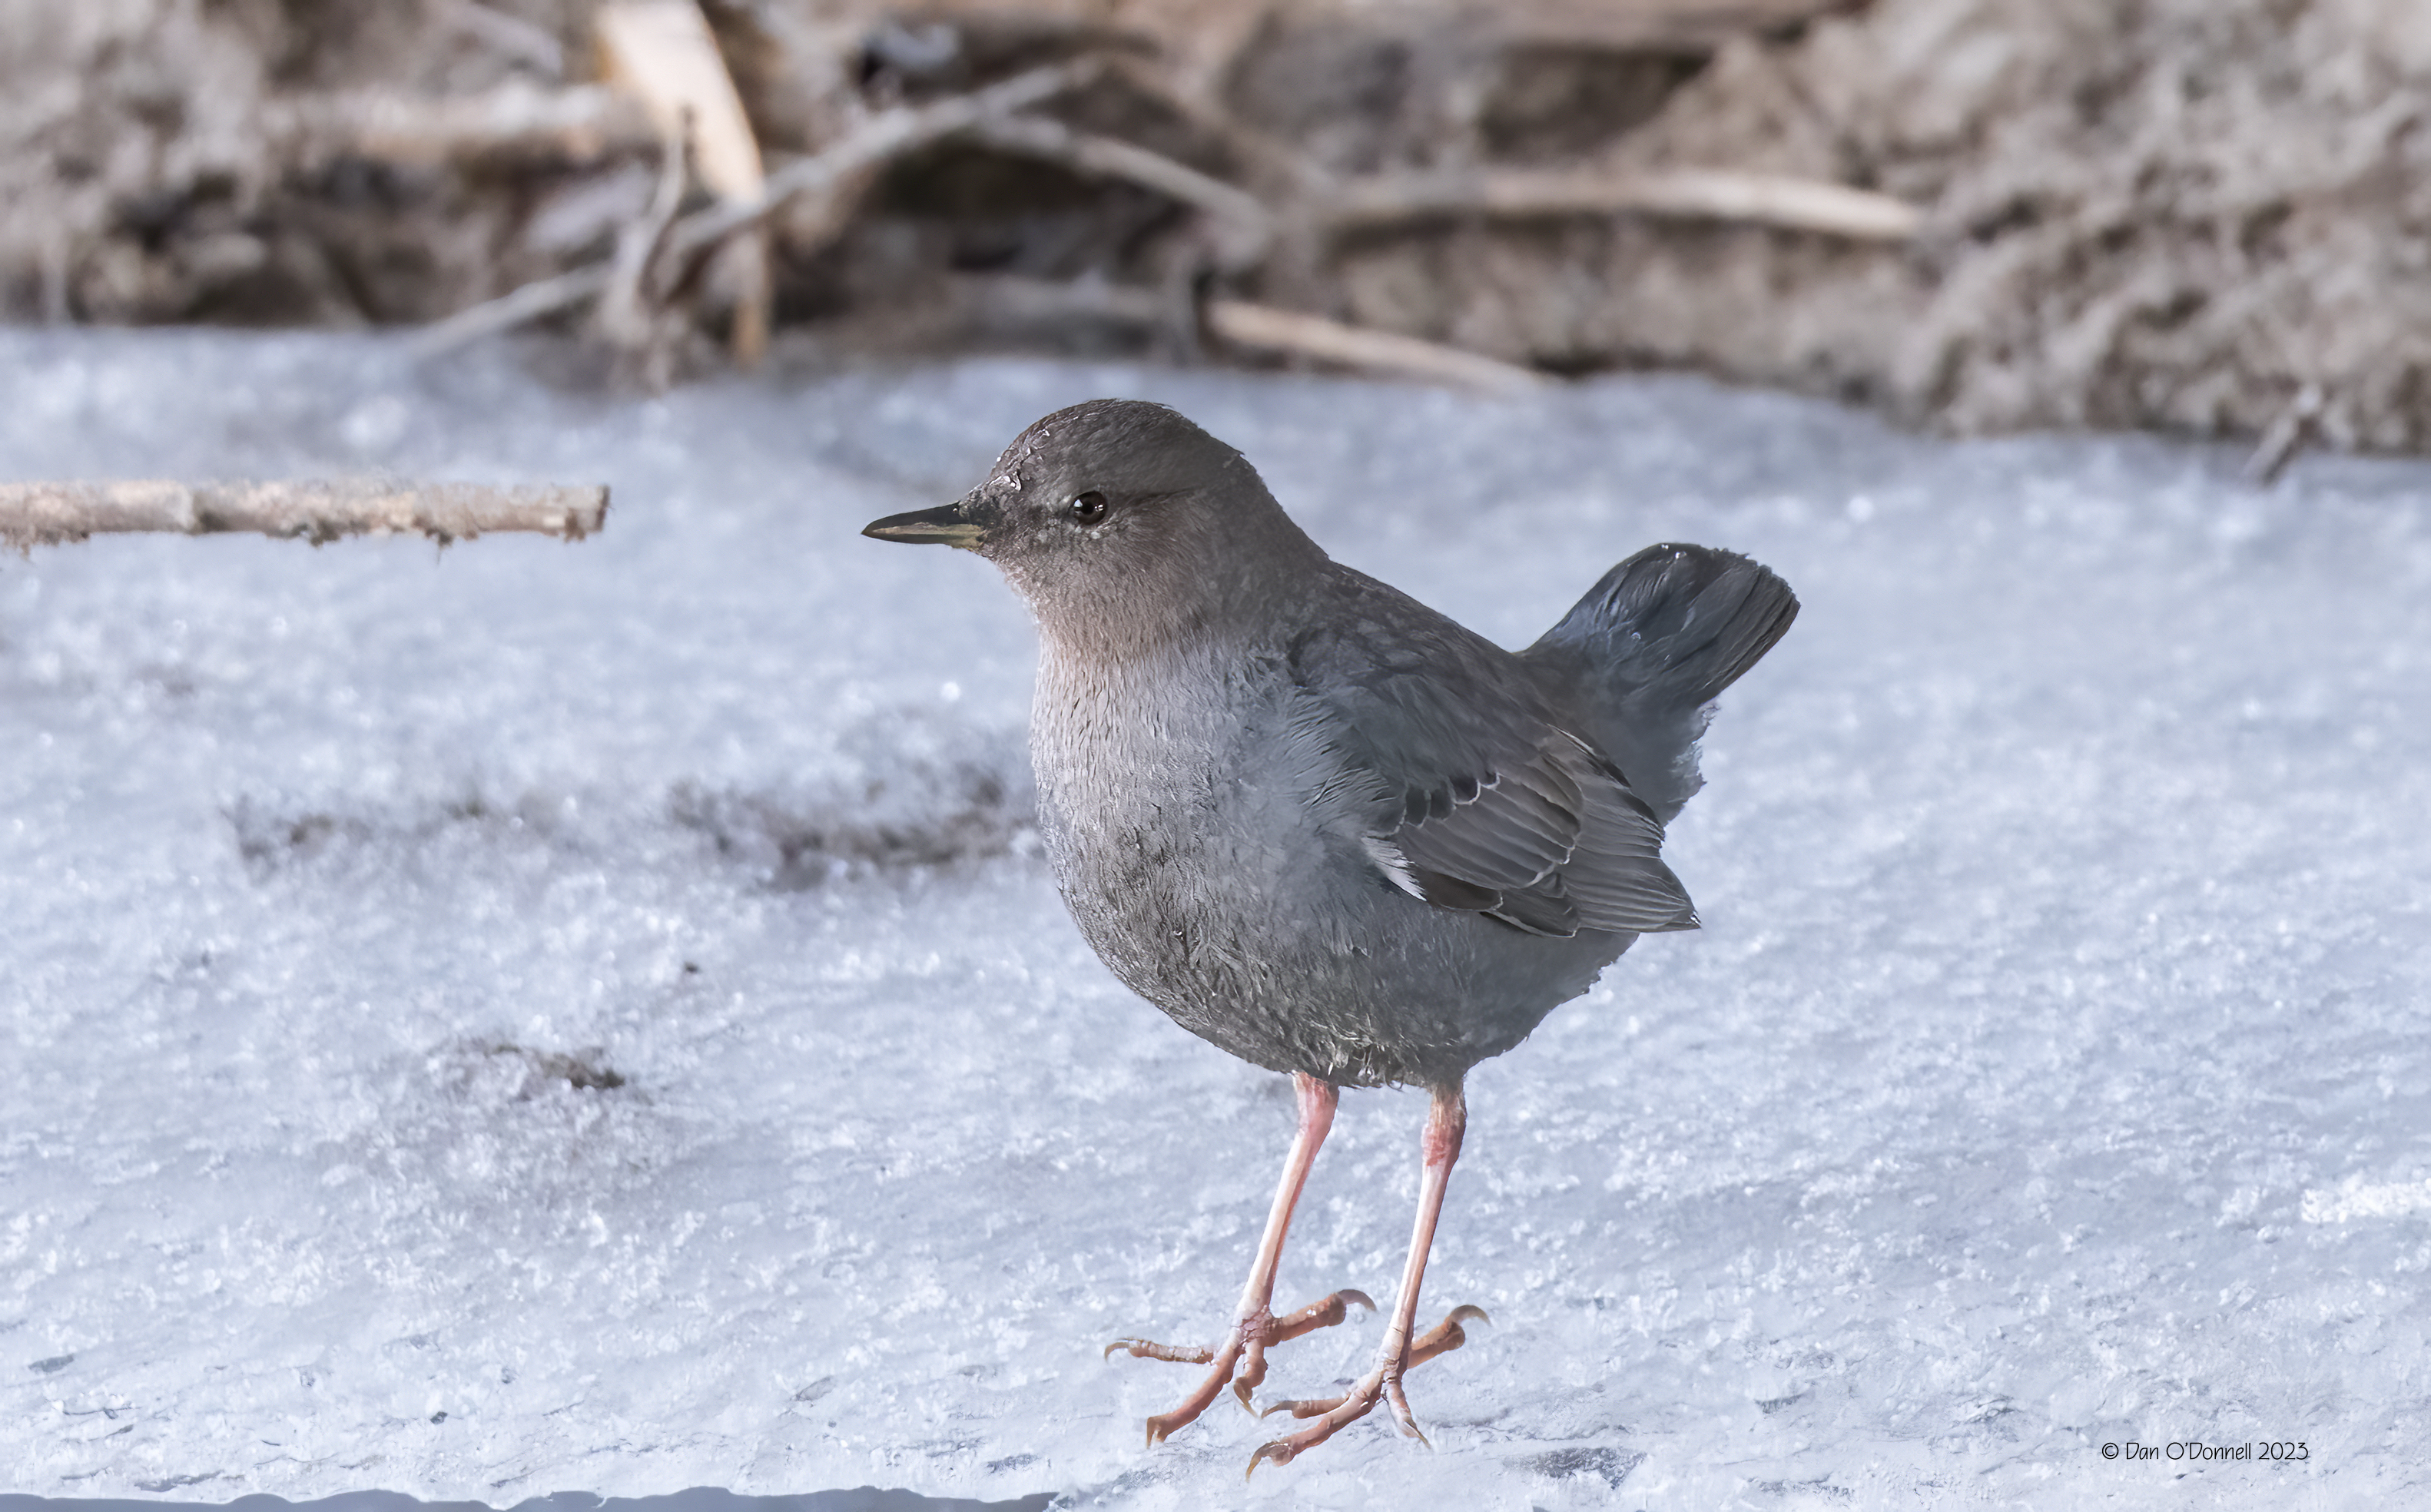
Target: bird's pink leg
1447, 1120
1256, 1326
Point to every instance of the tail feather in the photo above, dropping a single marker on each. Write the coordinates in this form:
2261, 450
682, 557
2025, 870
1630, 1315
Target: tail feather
1643, 656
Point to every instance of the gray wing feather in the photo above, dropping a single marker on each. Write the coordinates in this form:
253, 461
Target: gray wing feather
1476, 798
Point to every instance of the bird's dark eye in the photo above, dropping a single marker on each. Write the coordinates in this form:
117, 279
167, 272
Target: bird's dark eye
1089, 508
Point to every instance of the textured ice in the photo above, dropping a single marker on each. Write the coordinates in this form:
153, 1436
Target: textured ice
537, 1017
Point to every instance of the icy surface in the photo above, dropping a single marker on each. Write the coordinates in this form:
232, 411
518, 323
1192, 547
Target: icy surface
537, 1017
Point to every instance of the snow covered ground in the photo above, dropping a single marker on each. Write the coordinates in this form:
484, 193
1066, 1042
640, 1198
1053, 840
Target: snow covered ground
544, 1017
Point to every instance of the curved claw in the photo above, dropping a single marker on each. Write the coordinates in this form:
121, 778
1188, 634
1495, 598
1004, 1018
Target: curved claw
1399, 1403
1251, 1374
1281, 1452
1444, 1337
1305, 1406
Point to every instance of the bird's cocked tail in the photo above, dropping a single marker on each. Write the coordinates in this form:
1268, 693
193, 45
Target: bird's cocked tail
1650, 646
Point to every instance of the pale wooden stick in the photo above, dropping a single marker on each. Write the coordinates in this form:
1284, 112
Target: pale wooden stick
1287, 330
34, 515
1797, 204
518, 119
664, 53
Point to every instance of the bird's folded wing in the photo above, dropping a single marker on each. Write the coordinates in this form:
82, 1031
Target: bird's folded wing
1470, 796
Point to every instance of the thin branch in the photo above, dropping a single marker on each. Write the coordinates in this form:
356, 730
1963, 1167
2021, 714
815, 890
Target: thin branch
511, 35
1286, 330
528, 303
888, 135
1253, 227
34, 515
1797, 204
1687, 27
1264, 155
883, 138
628, 309
2288, 434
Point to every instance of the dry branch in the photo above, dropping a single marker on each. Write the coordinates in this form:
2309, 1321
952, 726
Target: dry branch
882, 139
1797, 204
1304, 206
2294, 426
632, 313
663, 54
34, 515
1252, 225
1687, 26
1285, 331
528, 303
517, 120
510, 35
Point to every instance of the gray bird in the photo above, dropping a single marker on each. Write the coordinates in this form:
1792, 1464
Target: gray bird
1322, 825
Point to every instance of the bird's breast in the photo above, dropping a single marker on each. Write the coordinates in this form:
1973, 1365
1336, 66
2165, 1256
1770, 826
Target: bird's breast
1169, 815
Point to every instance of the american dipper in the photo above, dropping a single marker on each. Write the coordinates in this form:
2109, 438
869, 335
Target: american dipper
1319, 824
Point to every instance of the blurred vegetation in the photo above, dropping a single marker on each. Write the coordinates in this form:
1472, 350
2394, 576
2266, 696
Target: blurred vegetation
2190, 214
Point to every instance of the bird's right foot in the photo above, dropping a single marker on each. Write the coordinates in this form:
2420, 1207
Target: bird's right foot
1384, 1382
1240, 1360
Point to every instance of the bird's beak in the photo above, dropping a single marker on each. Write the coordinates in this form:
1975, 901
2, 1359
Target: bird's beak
945, 525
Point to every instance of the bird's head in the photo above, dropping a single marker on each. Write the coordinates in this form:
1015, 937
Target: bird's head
1120, 522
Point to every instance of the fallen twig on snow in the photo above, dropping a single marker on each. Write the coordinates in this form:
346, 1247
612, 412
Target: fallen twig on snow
1287, 330
34, 515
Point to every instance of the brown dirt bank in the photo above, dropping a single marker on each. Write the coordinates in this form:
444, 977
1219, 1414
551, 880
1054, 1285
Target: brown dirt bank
2173, 213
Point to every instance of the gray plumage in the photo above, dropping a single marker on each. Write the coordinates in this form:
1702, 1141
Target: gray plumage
1317, 823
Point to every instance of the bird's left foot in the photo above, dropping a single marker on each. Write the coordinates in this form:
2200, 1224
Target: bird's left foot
1240, 1360
1382, 1382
